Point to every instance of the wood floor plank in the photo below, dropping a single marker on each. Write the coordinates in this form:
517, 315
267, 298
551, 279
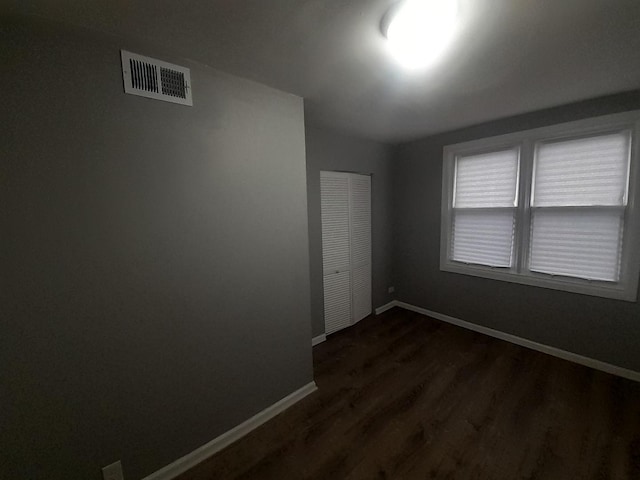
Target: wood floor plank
403, 396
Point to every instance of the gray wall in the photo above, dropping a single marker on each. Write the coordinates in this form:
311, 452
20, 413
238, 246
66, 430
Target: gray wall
607, 330
155, 269
329, 150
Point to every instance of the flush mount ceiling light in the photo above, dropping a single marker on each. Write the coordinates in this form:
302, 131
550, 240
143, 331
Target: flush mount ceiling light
419, 31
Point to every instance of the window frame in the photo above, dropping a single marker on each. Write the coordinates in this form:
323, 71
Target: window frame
526, 141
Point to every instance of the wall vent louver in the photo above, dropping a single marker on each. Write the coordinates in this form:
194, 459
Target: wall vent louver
151, 78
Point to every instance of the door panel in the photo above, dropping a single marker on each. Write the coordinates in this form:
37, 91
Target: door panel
334, 203
360, 241
336, 250
337, 301
361, 291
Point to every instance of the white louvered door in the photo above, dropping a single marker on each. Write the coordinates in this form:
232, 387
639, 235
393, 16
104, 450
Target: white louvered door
336, 262
360, 197
346, 248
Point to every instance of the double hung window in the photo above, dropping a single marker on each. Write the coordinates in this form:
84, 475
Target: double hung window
551, 207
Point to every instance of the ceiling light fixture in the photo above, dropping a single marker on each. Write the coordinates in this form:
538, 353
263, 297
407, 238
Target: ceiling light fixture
419, 31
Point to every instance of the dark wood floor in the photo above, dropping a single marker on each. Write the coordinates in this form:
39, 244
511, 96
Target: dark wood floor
402, 396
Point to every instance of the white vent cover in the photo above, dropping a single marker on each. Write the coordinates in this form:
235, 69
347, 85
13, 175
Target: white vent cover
153, 78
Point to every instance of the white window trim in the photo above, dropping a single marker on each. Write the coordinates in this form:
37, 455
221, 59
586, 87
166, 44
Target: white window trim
627, 287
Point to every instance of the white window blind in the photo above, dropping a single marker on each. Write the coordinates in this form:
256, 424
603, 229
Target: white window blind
578, 202
486, 192
582, 172
579, 243
487, 180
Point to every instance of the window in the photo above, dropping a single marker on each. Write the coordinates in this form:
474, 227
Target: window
484, 206
552, 207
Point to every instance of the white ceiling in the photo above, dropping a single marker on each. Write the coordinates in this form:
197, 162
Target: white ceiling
511, 57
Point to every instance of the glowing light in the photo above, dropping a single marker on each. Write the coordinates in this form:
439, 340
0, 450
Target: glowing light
421, 30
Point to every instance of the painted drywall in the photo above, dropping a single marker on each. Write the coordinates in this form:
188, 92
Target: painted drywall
155, 262
330, 150
603, 329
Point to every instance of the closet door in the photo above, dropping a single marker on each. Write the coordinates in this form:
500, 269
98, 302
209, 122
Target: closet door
336, 259
360, 245
346, 248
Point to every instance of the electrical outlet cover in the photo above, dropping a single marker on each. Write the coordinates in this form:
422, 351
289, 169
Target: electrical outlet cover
113, 471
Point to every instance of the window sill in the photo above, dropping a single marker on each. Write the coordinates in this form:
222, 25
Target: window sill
616, 291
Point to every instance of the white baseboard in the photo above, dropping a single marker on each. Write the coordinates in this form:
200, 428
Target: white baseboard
200, 454
523, 342
319, 339
386, 307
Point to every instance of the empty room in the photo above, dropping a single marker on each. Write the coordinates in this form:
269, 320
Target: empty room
320, 239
